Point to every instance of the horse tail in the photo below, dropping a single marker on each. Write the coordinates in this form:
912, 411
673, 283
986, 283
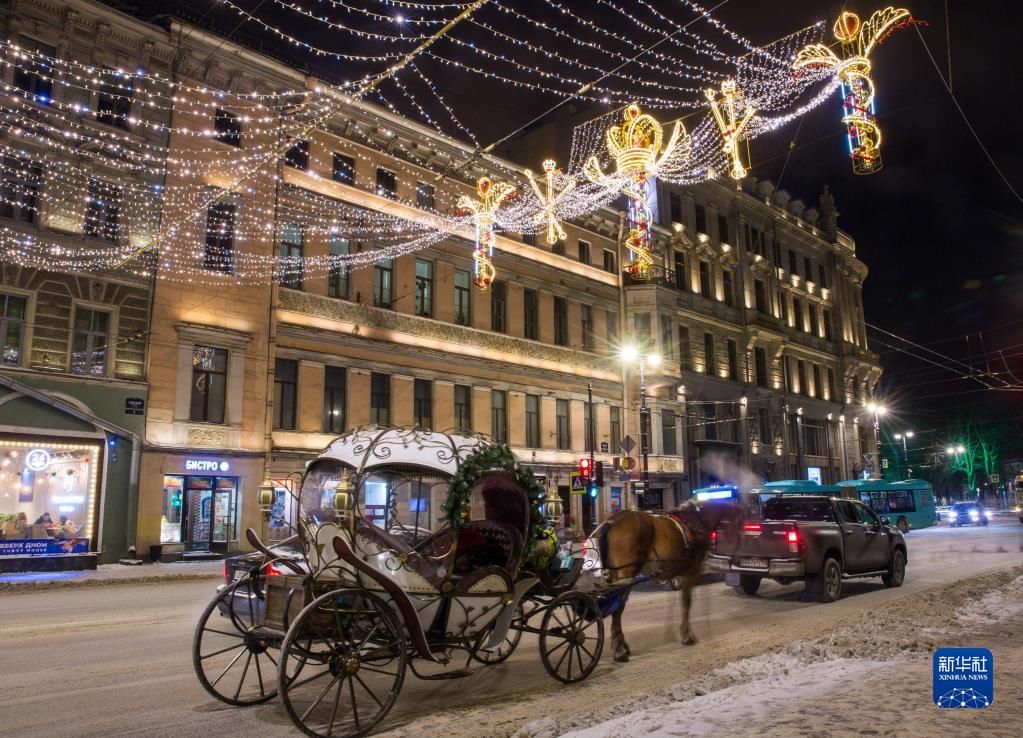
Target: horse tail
599, 536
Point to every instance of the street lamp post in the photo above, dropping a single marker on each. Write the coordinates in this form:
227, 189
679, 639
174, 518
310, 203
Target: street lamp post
905, 449
878, 411
954, 452
629, 354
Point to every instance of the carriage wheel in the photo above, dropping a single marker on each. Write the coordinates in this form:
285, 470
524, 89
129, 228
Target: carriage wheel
230, 652
353, 653
508, 645
571, 637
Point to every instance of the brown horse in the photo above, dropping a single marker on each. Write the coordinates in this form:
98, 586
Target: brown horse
665, 546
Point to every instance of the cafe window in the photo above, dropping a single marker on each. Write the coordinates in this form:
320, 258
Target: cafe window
380, 399
103, 210
532, 421
387, 183
285, 393
50, 490
383, 274
19, 189
562, 425
338, 276
422, 403
463, 310
13, 312
530, 314
498, 307
463, 407
292, 265
297, 156
335, 384
89, 344
425, 196
114, 99
424, 288
499, 415
33, 74
228, 127
209, 384
344, 169
219, 255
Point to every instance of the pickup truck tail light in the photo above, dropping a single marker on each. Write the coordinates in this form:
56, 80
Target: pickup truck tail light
713, 540
795, 541
751, 529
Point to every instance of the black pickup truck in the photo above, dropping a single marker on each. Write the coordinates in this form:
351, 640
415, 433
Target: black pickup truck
814, 538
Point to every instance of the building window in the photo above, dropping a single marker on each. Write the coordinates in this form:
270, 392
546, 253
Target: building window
529, 239
530, 314
425, 196
463, 314
832, 393
797, 314
558, 247
587, 438
729, 287
422, 403
424, 288
298, 156
804, 388
616, 430
708, 353
291, 257
807, 269
532, 421
584, 252
764, 427
586, 313
380, 399
344, 168
710, 421
685, 353
227, 127
219, 255
675, 207
564, 436
114, 98
209, 384
818, 388
793, 267
498, 307
335, 385
822, 276
814, 327
733, 360
338, 280
681, 275
789, 386
669, 444
285, 393
387, 183
383, 274
723, 229
641, 327
609, 261
463, 407
812, 433
19, 188
829, 334
560, 321
783, 304
103, 210
705, 279
760, 296
34, 76
89, 343
760, 359
612, 330
701, 219
499, 415
13, 310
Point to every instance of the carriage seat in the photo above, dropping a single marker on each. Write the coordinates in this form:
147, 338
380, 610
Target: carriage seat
489, 542
430, 569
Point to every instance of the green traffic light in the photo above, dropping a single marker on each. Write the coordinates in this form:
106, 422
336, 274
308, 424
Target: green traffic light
593, 490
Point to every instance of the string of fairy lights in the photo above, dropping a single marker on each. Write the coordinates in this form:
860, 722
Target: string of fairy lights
181, 177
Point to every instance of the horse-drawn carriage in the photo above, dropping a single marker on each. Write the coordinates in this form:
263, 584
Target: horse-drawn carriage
378, 591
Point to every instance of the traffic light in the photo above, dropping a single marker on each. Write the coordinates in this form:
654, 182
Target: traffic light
593, 489
585, 471
598, 473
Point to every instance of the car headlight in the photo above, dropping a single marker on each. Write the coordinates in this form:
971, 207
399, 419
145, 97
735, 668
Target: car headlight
973, 515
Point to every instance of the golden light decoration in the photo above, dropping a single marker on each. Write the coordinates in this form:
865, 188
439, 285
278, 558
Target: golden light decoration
549, 201
491, 195
638, 149
730, 123
853, 69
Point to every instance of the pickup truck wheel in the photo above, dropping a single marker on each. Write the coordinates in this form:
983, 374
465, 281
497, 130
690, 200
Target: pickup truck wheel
830, 581
896, 570
748, 584
902, 525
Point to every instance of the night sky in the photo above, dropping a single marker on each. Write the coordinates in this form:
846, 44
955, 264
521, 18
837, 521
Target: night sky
938, 228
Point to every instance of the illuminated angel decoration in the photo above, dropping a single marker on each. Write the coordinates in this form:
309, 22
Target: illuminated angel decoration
730, 123
549, 201
491, 195
858, 40
639, 150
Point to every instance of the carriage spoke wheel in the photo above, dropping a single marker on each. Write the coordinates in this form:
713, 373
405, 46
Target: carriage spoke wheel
508, 645
353, 655
233, 657
571, 637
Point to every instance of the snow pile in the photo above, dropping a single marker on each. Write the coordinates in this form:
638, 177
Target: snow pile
997, 606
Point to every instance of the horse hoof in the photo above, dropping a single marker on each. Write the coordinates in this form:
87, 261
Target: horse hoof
688, 640
621, 657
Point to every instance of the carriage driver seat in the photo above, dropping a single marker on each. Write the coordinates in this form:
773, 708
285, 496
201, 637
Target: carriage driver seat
380, 543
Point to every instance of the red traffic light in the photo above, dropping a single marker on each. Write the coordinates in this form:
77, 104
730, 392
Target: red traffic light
585, 470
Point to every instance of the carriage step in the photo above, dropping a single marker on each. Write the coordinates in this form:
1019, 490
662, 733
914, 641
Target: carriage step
453, 674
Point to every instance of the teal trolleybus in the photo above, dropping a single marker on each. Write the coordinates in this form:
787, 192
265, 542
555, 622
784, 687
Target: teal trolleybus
753, 498
909, 503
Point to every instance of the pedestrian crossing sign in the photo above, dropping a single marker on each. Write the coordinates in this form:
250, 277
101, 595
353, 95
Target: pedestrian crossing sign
578, 484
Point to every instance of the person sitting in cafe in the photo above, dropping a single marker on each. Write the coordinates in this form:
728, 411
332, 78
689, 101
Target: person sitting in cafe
45, 519
67, 528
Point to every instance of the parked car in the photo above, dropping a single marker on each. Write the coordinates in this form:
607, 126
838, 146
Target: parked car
968, 513
941, 513
819, 540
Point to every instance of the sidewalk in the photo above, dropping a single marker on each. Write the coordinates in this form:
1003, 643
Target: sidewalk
108, 574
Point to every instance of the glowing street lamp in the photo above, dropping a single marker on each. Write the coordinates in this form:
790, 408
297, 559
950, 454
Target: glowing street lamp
905, 449
630, 353
878, 411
